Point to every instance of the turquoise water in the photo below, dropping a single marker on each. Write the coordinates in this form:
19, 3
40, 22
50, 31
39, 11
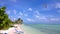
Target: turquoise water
48, 29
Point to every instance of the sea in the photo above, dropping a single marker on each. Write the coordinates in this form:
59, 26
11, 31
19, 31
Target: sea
47, 28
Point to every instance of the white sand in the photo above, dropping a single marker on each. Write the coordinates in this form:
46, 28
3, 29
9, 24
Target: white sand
26, 29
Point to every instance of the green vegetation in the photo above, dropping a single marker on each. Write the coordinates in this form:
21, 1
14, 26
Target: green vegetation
5, 22
19, 21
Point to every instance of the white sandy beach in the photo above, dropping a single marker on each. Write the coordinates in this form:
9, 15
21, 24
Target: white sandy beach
26, 29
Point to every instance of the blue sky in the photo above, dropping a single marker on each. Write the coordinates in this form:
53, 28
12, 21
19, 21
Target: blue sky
33, 11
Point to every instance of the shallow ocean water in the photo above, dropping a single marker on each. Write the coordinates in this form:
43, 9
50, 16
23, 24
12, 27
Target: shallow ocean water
47, 29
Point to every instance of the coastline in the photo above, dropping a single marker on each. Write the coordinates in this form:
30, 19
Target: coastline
26, 29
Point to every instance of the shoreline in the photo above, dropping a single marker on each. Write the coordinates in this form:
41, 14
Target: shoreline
26, 29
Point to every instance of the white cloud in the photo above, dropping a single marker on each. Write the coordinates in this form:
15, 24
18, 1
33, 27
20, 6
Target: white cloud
29, 9
45, 18
52, 19
14, 11
55, 19
10, 17
8, 11
57, 5
14, 19
40, 17
50, 6
19, 16
37, 16
20, 13
30, 20
25, 15
36, 12
45, 7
